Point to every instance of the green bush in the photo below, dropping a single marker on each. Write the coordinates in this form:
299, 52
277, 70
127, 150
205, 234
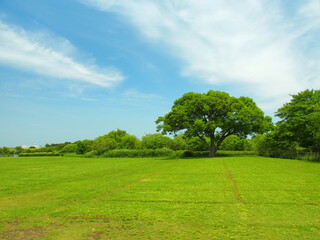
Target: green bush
235, 153
197, 154
309, 156
90, 154
181, 154
156, 141
69, 148
138, 153
72, 155
39, 150
39, 154
236, 143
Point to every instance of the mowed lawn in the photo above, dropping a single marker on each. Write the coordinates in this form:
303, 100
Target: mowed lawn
221, 198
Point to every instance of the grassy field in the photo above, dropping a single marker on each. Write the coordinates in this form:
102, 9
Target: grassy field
222, 198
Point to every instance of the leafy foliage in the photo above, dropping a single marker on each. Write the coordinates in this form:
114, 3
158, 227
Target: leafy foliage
211, 121
118, 139
196, 144
156, 141
133, 153
84, 146
71, 147
103, 144
5, 151
40, 154
300, 120
272, 145
236, 143
130, 142
213, 116
179, 142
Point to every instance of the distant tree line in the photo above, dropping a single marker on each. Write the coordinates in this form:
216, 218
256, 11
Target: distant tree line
207, 123
120, 140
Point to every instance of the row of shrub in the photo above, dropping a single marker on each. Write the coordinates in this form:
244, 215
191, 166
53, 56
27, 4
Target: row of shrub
138, 153
132, 153
235, 153
39, 154
220, 153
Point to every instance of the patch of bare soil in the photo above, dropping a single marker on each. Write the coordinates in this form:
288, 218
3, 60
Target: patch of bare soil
96, 235
23, 234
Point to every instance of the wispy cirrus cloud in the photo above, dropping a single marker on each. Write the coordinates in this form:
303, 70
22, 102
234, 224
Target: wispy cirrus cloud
134, 94
262, 47
50, 56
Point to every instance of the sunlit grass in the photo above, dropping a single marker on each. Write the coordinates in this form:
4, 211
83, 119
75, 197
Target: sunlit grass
221, 198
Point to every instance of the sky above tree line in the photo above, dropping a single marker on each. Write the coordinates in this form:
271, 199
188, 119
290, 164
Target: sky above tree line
77, 69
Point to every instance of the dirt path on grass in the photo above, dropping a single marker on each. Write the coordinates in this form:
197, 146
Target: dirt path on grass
234, 185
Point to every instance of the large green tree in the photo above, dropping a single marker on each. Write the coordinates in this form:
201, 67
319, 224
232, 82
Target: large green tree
213, 116
300, 119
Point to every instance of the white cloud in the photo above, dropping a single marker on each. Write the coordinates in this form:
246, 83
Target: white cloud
49, 56
258, 45
134, 95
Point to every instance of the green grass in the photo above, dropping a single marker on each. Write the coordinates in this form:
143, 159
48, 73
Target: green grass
152, 198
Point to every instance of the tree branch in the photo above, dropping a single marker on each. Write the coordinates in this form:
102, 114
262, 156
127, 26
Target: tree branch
224, 136
203, 139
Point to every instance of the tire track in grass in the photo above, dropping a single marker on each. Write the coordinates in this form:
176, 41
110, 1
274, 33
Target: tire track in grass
144, 179
234, 185
246, 221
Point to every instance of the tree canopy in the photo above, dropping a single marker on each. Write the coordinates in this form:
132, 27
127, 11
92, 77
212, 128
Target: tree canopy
213, 116
300, 119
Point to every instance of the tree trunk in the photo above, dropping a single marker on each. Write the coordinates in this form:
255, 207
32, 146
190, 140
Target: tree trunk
213, 150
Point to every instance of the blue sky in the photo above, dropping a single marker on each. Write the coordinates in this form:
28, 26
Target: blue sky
77, 69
